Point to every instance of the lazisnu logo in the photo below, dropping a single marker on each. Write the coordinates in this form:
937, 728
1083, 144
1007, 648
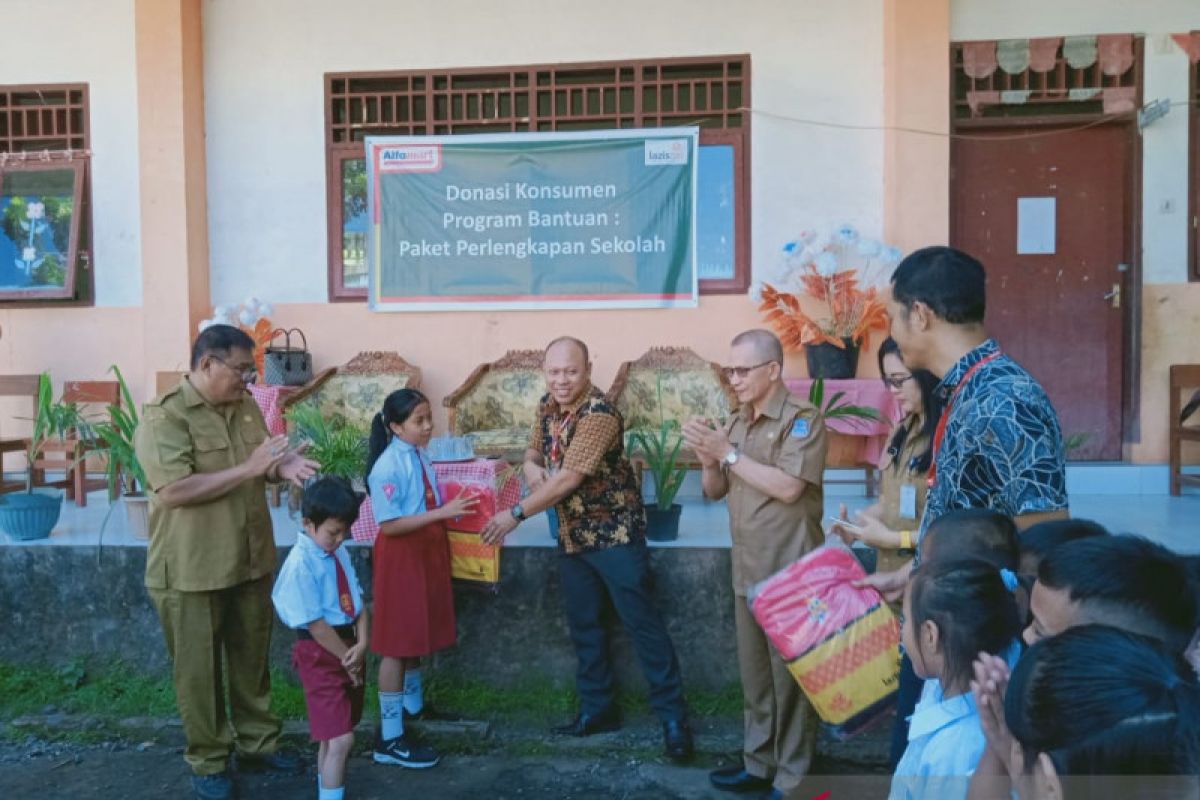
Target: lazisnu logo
410, 158
666, 151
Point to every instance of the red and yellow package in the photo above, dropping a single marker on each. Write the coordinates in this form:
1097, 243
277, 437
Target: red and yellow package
472, 560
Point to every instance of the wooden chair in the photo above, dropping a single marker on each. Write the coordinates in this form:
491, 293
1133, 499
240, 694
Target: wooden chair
165, 381
1183, 376
16, 386
70, 454
497, 404
355, 391
671, 384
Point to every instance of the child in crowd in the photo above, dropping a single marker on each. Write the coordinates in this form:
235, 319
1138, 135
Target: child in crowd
1084, 707
953, 610
414, 603
1040, 539
318, 594
1124, 581
976, 533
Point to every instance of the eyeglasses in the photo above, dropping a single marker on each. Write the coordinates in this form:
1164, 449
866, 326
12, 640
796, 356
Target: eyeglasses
742, 372
896, 383
247, 374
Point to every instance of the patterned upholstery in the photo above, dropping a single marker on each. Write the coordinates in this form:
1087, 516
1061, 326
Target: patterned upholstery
670, 384
355, 391
496, 406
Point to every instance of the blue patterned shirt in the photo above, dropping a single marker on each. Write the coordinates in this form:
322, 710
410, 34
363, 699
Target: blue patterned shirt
1003, 447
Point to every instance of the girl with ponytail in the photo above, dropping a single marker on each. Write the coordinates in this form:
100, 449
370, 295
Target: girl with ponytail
414, 605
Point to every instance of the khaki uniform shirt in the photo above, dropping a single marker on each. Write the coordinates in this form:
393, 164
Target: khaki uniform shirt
224, 541
769, 534
895, 473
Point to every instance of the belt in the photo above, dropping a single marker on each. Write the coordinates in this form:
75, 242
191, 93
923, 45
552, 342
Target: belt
344, 631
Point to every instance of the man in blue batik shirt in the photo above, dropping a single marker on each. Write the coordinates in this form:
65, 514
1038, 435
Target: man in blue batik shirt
999, 444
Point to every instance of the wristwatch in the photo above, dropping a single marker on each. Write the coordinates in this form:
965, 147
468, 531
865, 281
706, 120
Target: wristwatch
518, 513
731, 458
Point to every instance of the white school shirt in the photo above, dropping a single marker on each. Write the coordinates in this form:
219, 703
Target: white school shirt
395, 482
306, 589
945, 743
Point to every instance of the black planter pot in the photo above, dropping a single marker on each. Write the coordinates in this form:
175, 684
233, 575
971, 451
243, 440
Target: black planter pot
663, 526
829, 362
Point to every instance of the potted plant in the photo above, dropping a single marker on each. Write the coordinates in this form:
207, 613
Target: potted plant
660, 449
122, 468
843, 449
841, 272
337, 445
32, 515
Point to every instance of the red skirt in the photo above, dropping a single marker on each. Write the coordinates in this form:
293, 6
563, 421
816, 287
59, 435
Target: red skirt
414, 602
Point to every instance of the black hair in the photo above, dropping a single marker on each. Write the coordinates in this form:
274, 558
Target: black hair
949, 281
330, 497
931, 411
1126, 581
1102, 701
1037, 540
397, 408
221, 340
972, 608
973, 533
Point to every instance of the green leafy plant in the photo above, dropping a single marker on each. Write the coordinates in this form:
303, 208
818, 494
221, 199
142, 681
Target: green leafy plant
836, 406
337, 445
53, 419
661, 450
122, 468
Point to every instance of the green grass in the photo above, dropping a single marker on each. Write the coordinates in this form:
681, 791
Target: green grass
116, 691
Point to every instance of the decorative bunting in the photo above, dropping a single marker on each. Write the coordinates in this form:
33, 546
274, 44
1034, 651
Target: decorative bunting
1115, 53
977, 100
1015, 97
979, 59
1043, 53
1189, 43
1013, 55
1120, 99
1080, 51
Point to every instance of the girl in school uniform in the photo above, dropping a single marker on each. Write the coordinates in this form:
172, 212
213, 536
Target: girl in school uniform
414, 605
953, 611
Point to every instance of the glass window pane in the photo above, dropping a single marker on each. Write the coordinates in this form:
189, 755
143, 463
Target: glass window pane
715, 220
354, 223
36, 207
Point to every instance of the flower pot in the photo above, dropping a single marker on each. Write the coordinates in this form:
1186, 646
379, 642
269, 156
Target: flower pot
663, 526
25, 516
830, 362
137, 513
844, 450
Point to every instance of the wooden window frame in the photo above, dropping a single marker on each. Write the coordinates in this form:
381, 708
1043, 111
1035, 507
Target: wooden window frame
61, 140
532, 84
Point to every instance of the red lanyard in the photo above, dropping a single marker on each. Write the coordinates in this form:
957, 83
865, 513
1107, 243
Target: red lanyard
556, 436
940, 432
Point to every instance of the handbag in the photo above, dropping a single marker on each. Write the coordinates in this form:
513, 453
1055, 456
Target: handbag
287, 365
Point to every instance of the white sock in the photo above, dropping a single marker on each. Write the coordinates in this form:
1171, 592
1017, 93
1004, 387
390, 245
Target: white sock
414, 695
331, 794
391, 705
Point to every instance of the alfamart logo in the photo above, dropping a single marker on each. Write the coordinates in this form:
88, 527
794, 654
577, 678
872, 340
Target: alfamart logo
411, 158
666, 151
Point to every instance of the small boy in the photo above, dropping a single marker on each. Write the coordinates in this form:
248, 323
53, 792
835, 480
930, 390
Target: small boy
318, 595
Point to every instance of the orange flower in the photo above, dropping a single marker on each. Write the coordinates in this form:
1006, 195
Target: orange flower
854, 312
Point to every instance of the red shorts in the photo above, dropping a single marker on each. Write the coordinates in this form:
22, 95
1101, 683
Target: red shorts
334, 704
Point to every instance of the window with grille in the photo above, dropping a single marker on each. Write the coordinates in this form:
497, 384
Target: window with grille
712, 93
44, 204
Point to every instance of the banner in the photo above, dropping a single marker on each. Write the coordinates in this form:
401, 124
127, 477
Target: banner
602, 219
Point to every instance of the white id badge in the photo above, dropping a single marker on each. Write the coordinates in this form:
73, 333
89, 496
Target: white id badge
908, 501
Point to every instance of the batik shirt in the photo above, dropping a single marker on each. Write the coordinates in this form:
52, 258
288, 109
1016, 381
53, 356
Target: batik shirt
1002, 448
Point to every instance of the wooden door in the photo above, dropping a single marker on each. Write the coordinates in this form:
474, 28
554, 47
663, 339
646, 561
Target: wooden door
1055, 313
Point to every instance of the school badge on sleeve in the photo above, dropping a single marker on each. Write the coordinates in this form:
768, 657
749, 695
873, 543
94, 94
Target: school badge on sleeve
800, 429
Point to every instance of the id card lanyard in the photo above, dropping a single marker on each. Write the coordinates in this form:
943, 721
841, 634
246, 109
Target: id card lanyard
940, 433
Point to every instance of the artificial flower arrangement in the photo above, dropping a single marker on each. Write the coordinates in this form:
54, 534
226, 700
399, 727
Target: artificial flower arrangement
252, 316
842, 270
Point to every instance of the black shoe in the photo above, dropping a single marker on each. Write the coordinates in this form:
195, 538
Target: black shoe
406, 752
282, 762
430, 714
736, 779
677, 738
586, 724
213, 787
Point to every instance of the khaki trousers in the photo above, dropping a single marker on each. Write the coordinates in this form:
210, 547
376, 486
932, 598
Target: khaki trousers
780, 723
209, 634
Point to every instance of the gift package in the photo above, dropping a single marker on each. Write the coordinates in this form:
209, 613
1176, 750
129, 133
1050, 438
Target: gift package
841, 644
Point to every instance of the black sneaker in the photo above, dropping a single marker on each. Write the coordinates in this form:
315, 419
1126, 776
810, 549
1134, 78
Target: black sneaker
213, 787
283, 761
406, 752
430, 714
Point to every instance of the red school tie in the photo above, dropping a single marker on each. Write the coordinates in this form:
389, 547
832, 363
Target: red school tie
430, 497
345, 598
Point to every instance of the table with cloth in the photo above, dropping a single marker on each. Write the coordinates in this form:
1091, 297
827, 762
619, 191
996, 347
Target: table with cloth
270, 402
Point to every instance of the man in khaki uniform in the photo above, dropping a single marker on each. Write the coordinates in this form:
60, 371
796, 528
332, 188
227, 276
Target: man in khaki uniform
207, 454
768, 461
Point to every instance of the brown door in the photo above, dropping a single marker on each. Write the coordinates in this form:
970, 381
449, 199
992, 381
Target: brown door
1054, 312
